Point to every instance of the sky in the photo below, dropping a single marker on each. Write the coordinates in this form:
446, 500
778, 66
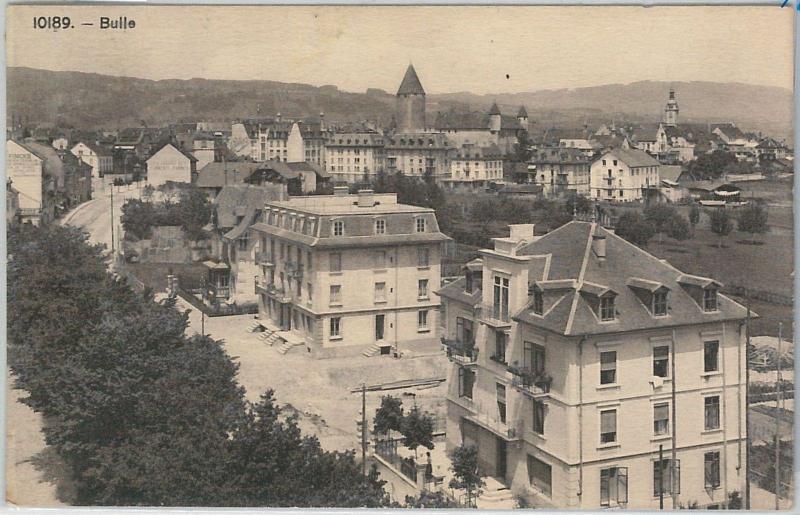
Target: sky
477, 49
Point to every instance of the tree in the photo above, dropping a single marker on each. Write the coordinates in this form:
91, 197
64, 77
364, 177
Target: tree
734, 500
635, 228
694, 215
661, 216
428, 499
720, 223
195, 212
753, 219
389, 416
522, 149
417, 430
465, 471
679, 228
713, 165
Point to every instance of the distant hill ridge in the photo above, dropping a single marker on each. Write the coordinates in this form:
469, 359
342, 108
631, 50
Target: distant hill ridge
93, 100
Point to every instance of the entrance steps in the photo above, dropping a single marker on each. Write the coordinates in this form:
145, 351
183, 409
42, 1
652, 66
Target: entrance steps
495, 496
372, 350
286, 346
255, 326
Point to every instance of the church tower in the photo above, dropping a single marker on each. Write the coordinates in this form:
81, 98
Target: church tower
522, 117
495, 118
410, 103
671, 110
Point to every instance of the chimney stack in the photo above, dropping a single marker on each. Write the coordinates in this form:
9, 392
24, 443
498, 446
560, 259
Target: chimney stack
366, 198
599, 246
521, 232
341, 191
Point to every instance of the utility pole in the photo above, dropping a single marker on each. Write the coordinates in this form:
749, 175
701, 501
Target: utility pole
364, 429
747, 404
202, 312
778, 403
112, 219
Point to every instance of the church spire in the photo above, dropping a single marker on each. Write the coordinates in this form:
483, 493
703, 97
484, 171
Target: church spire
411, 84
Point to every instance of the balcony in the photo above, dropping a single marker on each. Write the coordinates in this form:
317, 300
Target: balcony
264, 258
460, 352
495, 315
509, 431
271, 290
294, 270
530, 381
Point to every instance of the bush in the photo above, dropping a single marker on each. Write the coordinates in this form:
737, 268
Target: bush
635, 228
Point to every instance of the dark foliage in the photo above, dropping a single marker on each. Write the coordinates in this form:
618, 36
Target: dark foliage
635, 228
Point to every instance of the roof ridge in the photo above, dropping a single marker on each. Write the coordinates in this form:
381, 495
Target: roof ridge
579, 281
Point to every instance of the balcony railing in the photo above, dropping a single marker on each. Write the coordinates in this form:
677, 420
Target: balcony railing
264, 258
294, 269
273, 291
530, 381
510, 431
495, 314
460, 352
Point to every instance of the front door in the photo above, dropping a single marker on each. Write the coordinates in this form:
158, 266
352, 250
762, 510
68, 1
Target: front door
501, 459
379, 323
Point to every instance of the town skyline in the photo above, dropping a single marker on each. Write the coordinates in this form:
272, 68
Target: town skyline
325, 46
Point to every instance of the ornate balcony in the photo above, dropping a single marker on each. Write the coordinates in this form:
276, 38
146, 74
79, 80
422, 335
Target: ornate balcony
294, 269
271, 290
496, 315
530, 381
460, 352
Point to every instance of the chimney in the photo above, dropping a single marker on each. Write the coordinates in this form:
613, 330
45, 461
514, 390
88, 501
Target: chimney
279, 116
521, 232
341, 191
599, 246
366, 198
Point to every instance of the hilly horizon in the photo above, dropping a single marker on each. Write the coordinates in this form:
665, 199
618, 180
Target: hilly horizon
90, 100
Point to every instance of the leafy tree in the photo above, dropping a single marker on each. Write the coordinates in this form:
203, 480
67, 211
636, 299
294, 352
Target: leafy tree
679, 228
720, 223
753, 219
713, 165
417, 430
522, 149
465, 471
428, 499
195, 212
635, 228
734, 500
389, 416
578, 204
694, 215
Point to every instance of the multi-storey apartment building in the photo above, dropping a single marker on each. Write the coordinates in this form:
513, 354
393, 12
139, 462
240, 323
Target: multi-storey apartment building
560, 170
624, 175
341, 273
579, 359
475, 166
352, 157
424, 154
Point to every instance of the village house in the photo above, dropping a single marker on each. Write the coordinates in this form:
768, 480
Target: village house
170, 164
560, 170
96, 156
577, 358
475, 167
353, 157
214, 176
345, 274
623, 175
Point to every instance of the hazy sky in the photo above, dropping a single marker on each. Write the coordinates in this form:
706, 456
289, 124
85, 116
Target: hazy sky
452, 48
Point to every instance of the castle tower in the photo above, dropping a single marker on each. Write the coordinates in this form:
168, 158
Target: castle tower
522, 117
410, 103
671, 110
495, 118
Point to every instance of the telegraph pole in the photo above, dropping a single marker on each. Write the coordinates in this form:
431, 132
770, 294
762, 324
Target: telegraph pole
747, 404
364, 429
778, 402
112, 219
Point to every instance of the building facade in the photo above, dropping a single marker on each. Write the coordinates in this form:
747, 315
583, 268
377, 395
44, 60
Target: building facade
419, 155
474, 167
99, 158
170, 164
580, 362
560, 170
353, 157
350, 273
624, 175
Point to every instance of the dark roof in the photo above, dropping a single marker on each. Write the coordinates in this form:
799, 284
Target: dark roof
455, 290
97, 149
467, 152
634, 157
451, 120
670, 172
730, 130
217, 175
237, 205
304, 166
559, 155
411, 84
188, 155
418, 140
569, 249
494, 109
645, 132
522, 113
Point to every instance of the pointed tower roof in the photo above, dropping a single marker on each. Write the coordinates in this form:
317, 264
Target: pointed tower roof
494, 109
522, 112
411, 84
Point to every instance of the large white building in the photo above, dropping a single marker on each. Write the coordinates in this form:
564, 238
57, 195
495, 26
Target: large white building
578, 358
349, 273
623, 175
99, 158
353, 157
169, 164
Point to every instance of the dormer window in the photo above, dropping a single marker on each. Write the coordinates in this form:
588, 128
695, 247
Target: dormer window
538, 301
380, 226
710, 299
420, 224
660, 304
607, 311
338, 228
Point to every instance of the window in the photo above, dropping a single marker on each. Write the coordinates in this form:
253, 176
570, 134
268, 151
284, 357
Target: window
710, 299
338, 228
423, 257
665, 468
711, 356
661, 361
660, 303
500, 339
380, 226
533, 357
608, 426
422, 319
422, 288
335, 262
661, 419
500, 306
380, 259
538, 417
606, 308
540, 475
464, 331
538, 301
501, 402
336, 294
608, 367
336, 326
420, 224
466, 378
711, 410
310, 289
711, 461
380, 292
244, 241
613, 486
